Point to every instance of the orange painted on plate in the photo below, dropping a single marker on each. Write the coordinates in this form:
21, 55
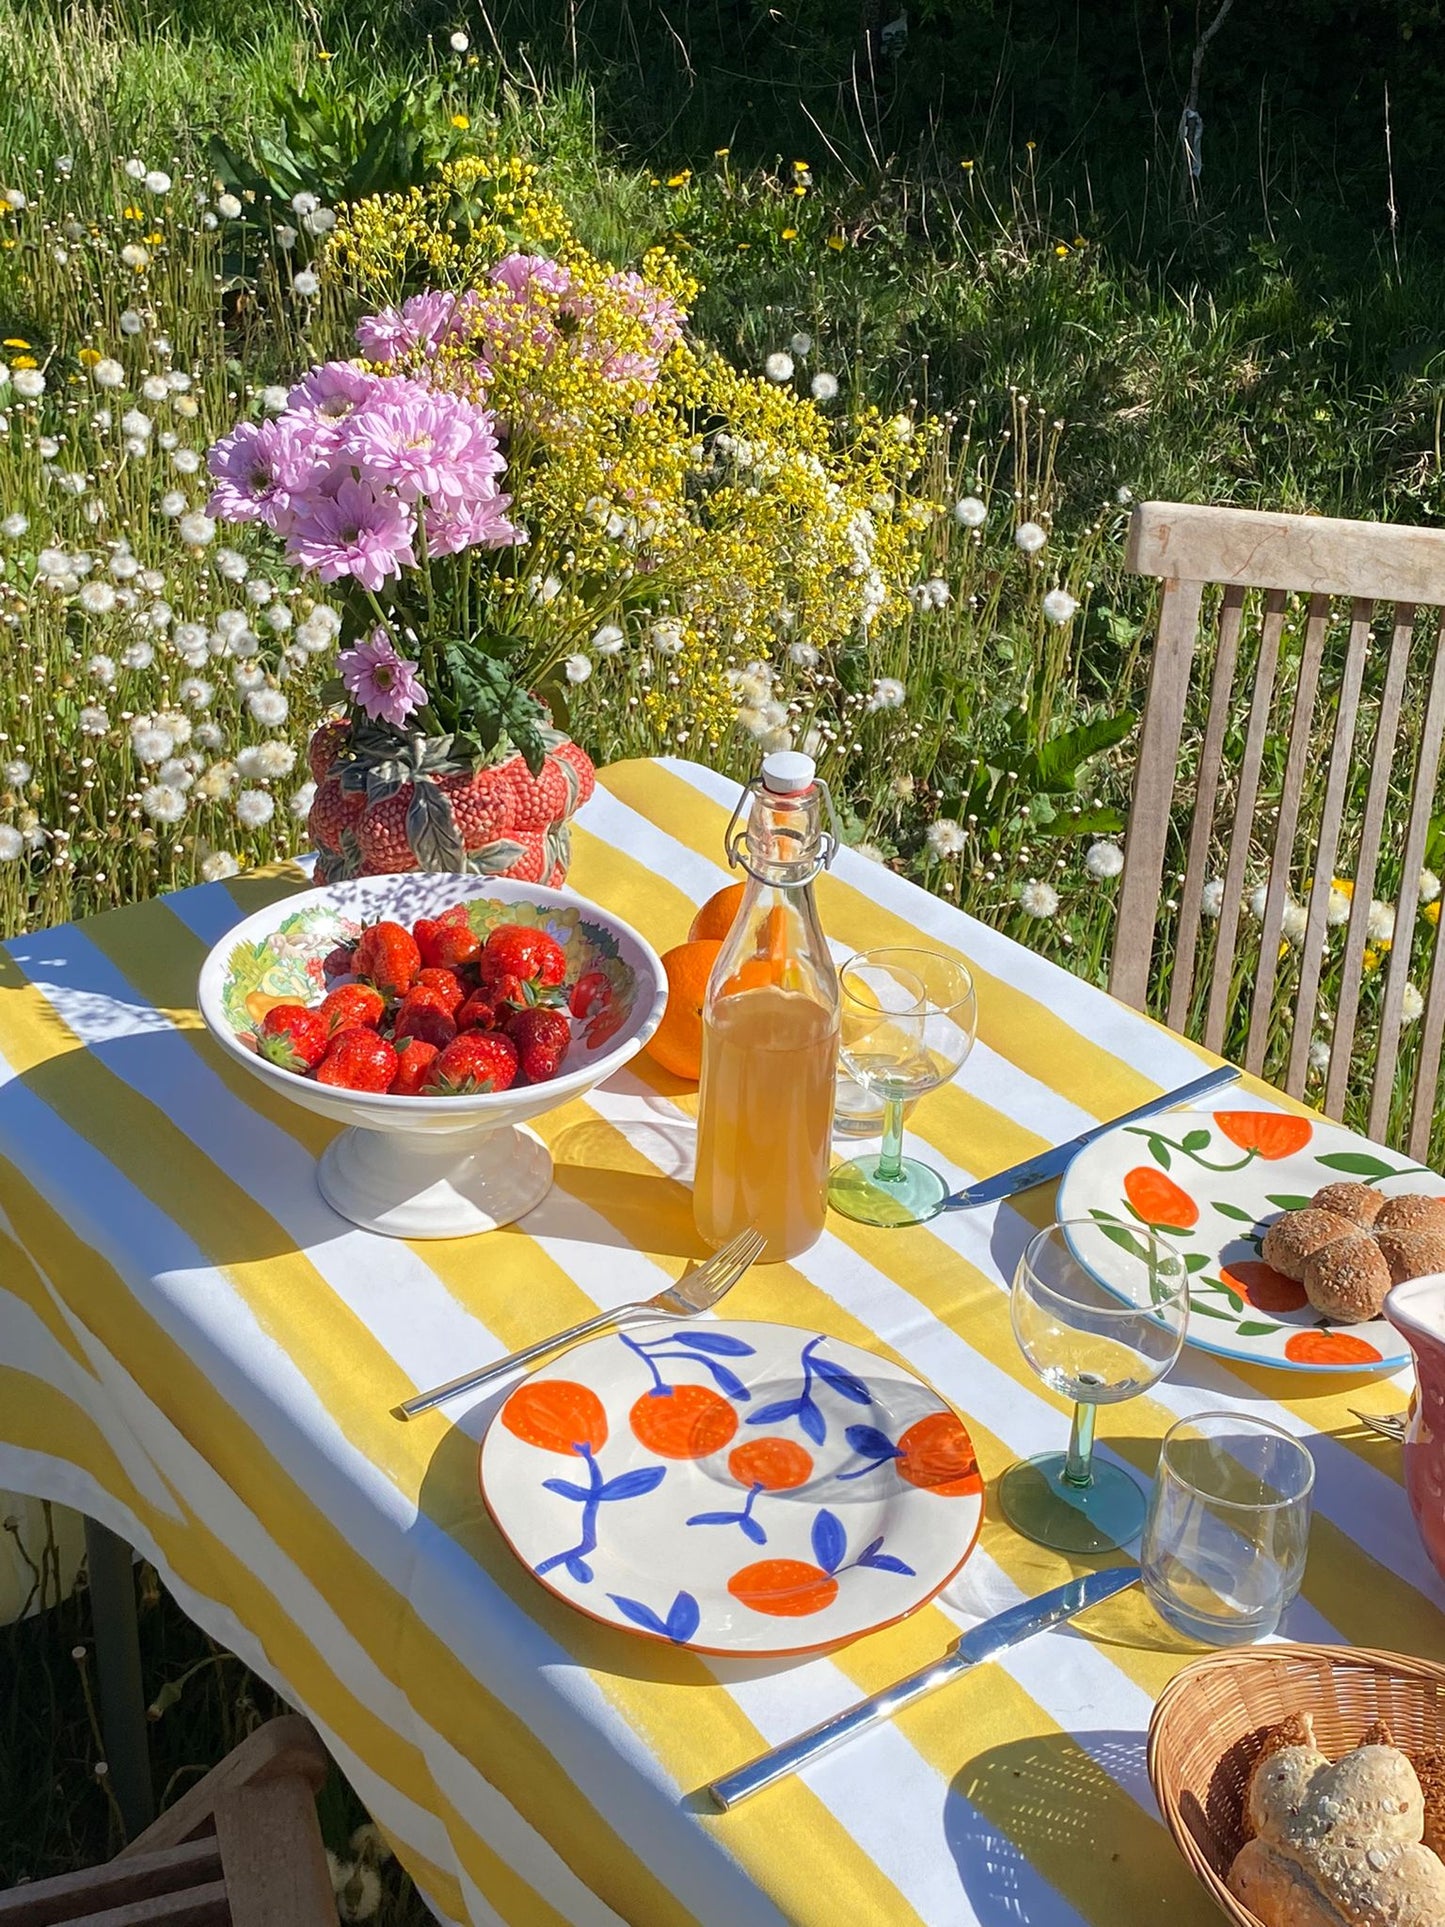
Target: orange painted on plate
938, 1456
1269, 1134
1331, 1348
1159, 1200
784, 1588
777, 1465
687, 1422
557, 1414
1260, 1285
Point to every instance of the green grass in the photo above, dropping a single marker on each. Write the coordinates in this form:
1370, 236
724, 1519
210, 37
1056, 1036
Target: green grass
1089, 333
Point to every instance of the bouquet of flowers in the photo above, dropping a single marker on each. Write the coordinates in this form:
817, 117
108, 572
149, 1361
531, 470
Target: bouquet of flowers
523, 475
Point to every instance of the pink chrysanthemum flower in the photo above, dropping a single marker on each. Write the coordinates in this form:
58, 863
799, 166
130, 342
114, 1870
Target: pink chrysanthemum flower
380, 679
480, 524
263, 469
525, 275
423, 321
333, 390
353, 531
436, 445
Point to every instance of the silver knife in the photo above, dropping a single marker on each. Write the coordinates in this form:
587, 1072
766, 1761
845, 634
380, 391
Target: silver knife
1052, 1164
981, 1643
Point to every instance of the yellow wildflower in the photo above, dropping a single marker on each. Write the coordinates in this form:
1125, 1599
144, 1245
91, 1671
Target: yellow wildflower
88, 357
802, 167
461, 120
14, 341
721, 153
680, 178
1431, 912
1061, 250
134, 214
837, 243
1371, 959
24, 361
790, 234
967, 166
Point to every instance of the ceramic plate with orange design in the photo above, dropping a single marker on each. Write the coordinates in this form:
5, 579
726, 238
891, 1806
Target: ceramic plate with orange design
733, 1487
1211, 1181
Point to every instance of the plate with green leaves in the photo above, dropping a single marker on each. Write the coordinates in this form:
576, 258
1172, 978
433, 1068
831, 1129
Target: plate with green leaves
1211, 1182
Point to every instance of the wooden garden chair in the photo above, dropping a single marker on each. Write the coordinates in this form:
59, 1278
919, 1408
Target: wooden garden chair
242, 1846
1321, 644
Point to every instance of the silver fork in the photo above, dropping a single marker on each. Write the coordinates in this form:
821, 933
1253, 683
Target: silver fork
697, 1290
1389, 1425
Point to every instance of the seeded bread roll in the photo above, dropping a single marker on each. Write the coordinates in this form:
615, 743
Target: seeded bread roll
1338, 1845
1360, 1203
1347, 1279
1429, 1765
1291, 1241
1411, 1211
1411, 1254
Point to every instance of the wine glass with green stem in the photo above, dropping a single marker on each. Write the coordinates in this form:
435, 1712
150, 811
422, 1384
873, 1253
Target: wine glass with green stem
907, 1021
1099, 1310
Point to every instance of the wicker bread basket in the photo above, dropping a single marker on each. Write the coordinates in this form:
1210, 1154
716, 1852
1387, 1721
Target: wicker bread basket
1206, 1730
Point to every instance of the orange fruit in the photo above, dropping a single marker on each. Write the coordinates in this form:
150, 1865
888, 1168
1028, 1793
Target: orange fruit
687, 1422
676, 1044
1269, 1134
784, 1588
715, 918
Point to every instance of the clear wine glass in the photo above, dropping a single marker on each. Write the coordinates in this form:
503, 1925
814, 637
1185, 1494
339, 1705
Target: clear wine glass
907, 1020
1099, 1310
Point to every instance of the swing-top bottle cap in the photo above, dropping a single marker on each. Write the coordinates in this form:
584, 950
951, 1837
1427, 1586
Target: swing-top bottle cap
787, 772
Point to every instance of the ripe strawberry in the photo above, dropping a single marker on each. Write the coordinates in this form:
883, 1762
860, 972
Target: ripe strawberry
358, 1060
428, 932
478, 1060
387, 956
337, 962
503, 988
325, 746
479, 1012
422, 1013
590, 994
447, 985
414, 1059
453, 945
542, 1037
292, 1037
351, 1006
530, 955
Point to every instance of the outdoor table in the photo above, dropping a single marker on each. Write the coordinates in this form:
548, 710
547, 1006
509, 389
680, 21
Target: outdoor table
195, 1350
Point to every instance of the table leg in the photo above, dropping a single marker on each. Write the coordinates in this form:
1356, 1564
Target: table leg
118, 1678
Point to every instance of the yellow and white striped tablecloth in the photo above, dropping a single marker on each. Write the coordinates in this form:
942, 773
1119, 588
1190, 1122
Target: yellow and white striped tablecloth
196, 1350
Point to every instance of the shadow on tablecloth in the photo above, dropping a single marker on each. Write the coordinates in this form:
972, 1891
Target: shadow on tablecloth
1066, 1808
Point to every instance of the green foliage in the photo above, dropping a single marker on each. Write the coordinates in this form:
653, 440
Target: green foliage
328, 142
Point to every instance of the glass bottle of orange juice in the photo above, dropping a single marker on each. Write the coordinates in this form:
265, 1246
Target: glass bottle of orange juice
770, 1026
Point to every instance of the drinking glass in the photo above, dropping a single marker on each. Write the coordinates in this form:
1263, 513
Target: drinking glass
1228, 1528
1099, 1310
907, 1020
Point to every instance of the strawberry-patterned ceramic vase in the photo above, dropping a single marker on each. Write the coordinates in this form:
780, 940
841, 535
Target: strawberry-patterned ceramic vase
376, 815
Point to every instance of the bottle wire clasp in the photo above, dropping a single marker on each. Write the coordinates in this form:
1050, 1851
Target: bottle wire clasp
736, 837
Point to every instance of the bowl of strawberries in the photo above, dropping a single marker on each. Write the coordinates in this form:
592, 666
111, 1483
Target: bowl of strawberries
433, 1015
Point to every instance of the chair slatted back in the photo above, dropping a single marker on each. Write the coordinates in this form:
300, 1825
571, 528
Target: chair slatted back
1301, 771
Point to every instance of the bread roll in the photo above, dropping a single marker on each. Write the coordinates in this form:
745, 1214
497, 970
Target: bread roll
1348, 1278
1292, 1240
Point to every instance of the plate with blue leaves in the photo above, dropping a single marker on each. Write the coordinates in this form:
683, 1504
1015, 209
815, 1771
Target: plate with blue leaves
734, 1487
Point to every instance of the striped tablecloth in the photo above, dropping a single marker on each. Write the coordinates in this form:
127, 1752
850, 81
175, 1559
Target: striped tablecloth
196, 1350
